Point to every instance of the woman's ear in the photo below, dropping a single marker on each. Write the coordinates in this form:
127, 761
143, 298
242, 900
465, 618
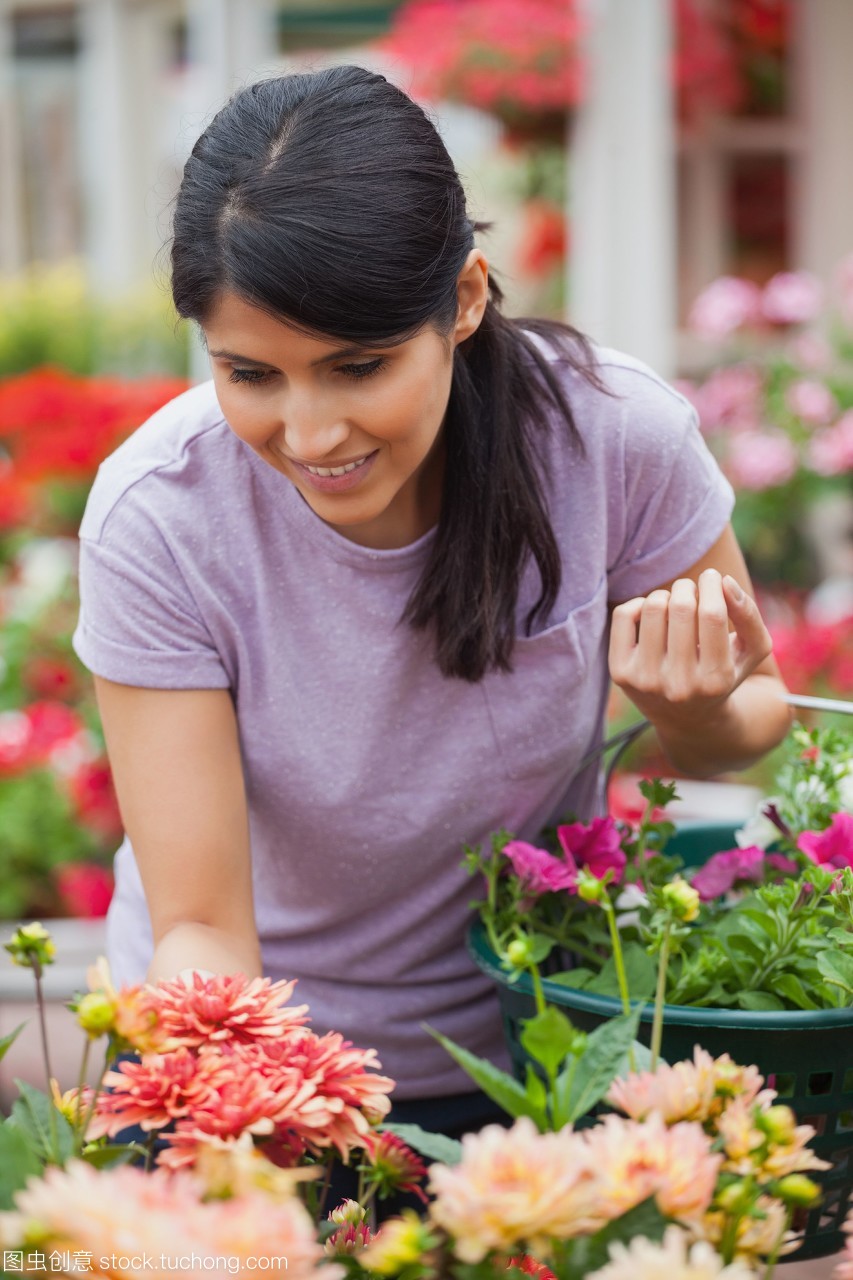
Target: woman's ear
472, 293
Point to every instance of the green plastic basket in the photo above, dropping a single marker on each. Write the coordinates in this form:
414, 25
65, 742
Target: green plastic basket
807, 1057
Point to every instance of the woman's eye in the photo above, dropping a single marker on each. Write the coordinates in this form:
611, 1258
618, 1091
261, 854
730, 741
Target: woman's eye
364, 369
249, 375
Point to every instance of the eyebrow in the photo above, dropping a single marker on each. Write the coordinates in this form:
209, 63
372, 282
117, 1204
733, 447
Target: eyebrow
340, 354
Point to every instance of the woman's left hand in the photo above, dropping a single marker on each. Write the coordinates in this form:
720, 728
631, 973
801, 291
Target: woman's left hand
674, 655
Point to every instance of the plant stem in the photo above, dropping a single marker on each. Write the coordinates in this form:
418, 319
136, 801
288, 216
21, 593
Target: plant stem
538, 993
79, 1136
54, 1137
619, 962
657, 1022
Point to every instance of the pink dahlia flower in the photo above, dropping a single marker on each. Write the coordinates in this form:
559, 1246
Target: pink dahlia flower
596, 846
696, 1090
539, 871
812, 401
725, 870
832, 847
226, 1007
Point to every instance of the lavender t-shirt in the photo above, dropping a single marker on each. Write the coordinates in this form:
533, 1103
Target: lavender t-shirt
366, 769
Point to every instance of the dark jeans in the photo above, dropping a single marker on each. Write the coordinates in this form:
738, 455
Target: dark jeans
453, 1115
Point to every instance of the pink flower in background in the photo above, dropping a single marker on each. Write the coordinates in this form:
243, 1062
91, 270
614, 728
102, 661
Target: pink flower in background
811, 401
596, 846
832, 847
724, 870
727, 304
810, 351
732, 396
538, 870
830, 451
792, 297
760, 460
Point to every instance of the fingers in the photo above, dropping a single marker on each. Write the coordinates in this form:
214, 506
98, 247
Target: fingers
683, 632
751, 642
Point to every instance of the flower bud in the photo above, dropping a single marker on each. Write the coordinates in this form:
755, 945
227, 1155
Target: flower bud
589, 888
681, 899
798, 1191
348, 1211
31, 946
736, 1197
96, 1013
518, 952
779, 1123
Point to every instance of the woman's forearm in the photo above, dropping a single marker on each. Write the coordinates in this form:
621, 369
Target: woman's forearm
752, 721
190, 945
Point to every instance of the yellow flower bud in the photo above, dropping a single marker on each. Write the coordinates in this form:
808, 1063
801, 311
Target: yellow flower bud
96, 1013
681, 899
31, 945
798, 1191
401, 1242
518, 952
779, 1123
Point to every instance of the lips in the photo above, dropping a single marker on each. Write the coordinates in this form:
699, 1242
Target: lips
338, 479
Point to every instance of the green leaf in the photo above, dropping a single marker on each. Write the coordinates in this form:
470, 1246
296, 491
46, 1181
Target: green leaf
502, 1088
7, 1041
112, 1154
837, 967
644, 1219
579, 1087
748, 945
759, 1001
548, 1038
435, 1146
640, 973
541, 946
764, 919
791, 988
658, 793
31, 1112
18, 1161
577, 978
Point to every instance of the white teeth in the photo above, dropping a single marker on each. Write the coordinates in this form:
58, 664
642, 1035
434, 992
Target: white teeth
336, 471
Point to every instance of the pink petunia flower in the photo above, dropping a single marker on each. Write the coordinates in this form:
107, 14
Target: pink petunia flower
792, 297
759, 460
728, 303
539, 871
596, 845
832, 847
812, 401
724, 870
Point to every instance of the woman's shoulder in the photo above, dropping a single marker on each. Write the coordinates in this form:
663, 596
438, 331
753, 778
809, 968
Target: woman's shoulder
161, 462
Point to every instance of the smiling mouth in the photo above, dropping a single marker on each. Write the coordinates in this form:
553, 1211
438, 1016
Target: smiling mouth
335, 471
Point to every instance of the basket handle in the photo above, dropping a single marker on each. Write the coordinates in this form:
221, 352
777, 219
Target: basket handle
620, 742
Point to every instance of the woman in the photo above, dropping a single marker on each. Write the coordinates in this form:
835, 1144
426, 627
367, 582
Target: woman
348, 607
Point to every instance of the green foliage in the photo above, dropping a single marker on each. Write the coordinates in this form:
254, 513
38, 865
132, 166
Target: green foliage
39, 831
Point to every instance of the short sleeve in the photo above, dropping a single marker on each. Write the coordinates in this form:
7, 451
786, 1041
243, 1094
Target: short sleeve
138, 622
675, 501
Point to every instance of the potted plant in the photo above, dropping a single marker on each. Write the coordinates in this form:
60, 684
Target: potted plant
747, 951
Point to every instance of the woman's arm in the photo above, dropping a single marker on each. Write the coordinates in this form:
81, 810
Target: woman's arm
695, 657
175, 758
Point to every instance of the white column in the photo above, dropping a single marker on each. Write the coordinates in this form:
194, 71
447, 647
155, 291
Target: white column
622, 286
109, 155
12, 247
824, 186
231, 42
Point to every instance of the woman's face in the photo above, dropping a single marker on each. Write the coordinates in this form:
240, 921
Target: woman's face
359, 432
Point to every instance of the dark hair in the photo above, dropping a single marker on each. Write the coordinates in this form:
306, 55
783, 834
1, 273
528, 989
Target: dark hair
330, 201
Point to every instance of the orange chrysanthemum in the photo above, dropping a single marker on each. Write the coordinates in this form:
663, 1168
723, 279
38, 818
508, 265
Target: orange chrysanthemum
227, 1007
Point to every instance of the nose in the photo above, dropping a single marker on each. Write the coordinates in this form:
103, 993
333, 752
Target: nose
310, 434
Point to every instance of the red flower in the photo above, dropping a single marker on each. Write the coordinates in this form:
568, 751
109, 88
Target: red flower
85, 888
92, 791
49, 678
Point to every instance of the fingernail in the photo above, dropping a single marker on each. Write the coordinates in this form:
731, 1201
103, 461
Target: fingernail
737, 594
